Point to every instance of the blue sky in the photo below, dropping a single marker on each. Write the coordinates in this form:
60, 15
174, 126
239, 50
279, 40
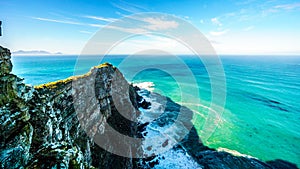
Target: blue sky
232, 27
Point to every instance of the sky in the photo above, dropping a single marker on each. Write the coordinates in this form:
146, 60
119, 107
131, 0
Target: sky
244, 27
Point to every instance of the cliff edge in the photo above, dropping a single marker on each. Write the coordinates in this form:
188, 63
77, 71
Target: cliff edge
41, 129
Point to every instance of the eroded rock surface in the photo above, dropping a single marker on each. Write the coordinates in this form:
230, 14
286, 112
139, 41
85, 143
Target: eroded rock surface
45, 127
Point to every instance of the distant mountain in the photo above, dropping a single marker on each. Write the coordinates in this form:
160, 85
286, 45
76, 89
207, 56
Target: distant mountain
34, 52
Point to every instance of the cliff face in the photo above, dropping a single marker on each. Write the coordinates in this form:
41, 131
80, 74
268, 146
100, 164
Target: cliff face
16, 131
57, 124
40, 127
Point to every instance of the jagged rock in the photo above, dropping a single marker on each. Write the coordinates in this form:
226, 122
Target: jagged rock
5, 63
40, 127
16, 131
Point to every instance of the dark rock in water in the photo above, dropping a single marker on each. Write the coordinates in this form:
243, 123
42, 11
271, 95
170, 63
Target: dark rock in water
281, 164
144, 104
165, 143
203, 155
55, 125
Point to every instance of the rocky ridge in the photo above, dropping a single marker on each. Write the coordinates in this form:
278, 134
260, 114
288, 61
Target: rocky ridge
41, 129
51, 126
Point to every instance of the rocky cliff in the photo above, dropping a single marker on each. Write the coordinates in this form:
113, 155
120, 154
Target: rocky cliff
41, 129
57, 125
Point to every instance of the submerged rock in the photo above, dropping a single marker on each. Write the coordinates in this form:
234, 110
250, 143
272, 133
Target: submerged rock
56, 125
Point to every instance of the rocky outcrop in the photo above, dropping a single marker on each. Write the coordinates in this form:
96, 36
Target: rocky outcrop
57, 125
41, 127
190, 149
16, 131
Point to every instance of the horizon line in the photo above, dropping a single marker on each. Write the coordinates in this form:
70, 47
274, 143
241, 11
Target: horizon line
180, 54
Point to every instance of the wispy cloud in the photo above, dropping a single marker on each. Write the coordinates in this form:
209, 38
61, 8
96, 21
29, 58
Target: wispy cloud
57, 21
129, 7
99, 18
254, 12
218, 33
160, 24
145, 25
240, 15
67, 22
121, 14
95, 25
288, 6
280, 8
128, 30
126, 9
216, 21
85, 32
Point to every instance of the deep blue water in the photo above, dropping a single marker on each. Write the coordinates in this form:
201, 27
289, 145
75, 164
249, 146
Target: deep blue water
262, 106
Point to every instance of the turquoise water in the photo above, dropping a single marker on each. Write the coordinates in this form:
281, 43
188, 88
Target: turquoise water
262, 111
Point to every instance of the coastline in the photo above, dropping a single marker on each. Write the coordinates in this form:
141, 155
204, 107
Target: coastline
46, 118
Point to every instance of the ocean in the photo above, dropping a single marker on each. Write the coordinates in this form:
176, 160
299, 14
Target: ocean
262, 108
